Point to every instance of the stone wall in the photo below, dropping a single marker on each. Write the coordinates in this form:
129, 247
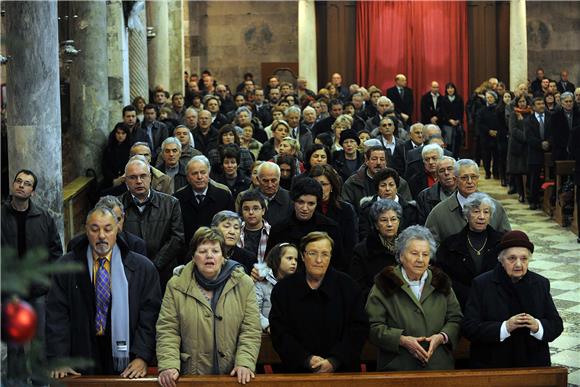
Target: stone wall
231, 38
554, 38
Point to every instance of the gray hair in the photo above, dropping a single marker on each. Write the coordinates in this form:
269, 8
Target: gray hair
137, 159
141, 143
446, 158
343, 118
111, 202
475, 200
416, 125
199, 159
190, 110
383, 99
307, 109
171, 140
225, 215
566, 94
414, 233
465, 163
383, 205
432, 148
104, 210
242, 109
293, 109
269, 165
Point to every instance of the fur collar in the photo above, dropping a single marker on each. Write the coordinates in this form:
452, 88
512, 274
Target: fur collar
389, 280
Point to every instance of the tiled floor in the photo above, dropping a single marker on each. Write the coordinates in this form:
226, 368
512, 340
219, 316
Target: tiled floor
556, 257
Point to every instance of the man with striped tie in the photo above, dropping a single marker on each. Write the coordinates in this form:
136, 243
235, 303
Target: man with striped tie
107, 311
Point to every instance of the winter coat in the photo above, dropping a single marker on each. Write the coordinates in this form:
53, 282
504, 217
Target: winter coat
488, 307
186, 325
70, 309
517, 148
370, 257
394, 310
329, 321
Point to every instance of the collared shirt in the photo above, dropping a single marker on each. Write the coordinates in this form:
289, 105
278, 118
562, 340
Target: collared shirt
461, 199
107, 265
416, 286
389, 145
434, 98
141, 208
264, 234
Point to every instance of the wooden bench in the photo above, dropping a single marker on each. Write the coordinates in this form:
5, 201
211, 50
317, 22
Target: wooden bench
528, 377
548, 185
563, 169
76, 205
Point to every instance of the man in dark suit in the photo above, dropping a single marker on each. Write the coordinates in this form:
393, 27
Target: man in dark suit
431, 106
325, 125
393, 147
537, 83
562, 123
415, 138
200, 200
537, 130
156, 130
564, 84
107, 311
402, 97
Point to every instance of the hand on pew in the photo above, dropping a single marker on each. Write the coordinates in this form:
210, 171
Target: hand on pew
136, 369
245, 375
62, 372
167, 378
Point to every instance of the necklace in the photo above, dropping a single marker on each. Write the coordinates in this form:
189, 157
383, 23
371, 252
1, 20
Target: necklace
478, 252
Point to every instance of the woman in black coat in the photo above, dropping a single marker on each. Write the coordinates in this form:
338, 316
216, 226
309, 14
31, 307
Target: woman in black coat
340, 211
317, 321
452, 118
488, 127
502, 136
472, 251
116, 154
517, 147
377, 250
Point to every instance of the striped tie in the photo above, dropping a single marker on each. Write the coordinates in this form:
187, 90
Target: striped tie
103, 296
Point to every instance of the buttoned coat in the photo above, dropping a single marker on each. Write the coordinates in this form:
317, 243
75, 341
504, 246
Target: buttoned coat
394, 310
186, 325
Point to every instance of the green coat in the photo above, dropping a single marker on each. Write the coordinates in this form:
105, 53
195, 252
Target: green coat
186, 323
393, 311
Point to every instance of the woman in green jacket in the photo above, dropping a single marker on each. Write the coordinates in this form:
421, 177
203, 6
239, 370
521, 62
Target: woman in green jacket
209, 321
413, 312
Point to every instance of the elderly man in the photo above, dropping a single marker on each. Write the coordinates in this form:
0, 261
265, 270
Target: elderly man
431, 105
298, 132
159, 181
402, 97
278, 202
343, 92
361, 184
200, 200
190, 118
384, 106
153, 216
447, 219
444, 187
564, 121
510, 316
394, 147
325, 125
415, 138
205, 136
107, 311
564, 83
427, 177
172, 165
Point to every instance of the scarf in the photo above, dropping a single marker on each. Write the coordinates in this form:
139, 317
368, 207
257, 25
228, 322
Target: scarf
217, 286
526, 110
119, 309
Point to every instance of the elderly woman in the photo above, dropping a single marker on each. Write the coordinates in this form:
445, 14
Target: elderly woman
472, 251
413, 312
338, 210
229, 224
510, 316
209, 321
377, 250
342, 122
317, 320
387, 183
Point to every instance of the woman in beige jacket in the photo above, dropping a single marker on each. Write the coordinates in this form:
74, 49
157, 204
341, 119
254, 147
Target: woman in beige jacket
209, 321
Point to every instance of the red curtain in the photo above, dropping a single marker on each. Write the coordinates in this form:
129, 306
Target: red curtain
427, 41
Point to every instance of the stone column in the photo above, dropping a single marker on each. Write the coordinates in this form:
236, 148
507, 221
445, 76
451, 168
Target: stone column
138, 73
89, 94
116, 36
33, 95
518, 44
307, 67
158, 47
176, 48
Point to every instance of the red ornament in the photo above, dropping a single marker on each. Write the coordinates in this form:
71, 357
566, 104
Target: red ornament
18, 321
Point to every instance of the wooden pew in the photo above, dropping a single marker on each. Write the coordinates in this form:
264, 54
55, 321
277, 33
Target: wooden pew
564, 168
528, 377
76, 205
548, 185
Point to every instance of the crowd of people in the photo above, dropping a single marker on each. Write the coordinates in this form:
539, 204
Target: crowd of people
322, 219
